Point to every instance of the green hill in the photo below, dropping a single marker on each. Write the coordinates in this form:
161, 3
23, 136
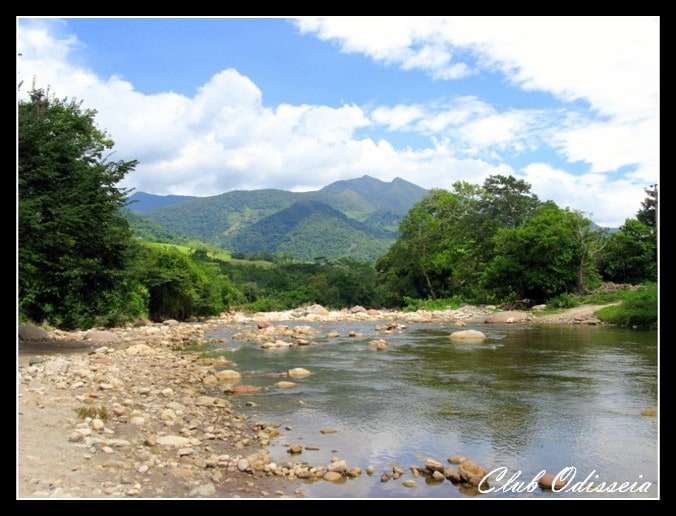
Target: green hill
357, 218
311, 229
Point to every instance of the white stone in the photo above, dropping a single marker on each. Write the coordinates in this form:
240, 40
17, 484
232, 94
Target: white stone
298, 372
468, 336
172, 440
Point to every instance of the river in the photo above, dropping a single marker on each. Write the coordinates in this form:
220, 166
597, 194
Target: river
527, 399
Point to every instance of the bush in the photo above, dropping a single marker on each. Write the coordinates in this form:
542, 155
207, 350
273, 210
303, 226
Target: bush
638, 310
564, 300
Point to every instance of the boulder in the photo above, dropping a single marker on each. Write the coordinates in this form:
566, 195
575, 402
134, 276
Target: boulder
228, 375
468, 336
298, 372
33, 333
549, 481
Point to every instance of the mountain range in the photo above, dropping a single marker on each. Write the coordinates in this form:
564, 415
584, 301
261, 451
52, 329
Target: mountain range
357, 218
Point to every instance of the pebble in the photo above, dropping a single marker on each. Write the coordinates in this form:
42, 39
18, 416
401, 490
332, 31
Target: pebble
171, 422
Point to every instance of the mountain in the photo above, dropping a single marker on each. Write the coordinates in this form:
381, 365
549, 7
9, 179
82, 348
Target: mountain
145, 229
395, 196
141, 202
311, 229
357, 218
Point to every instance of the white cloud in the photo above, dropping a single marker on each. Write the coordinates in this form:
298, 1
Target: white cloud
595, 195
224, 138
473, 127
610, 62
412, 42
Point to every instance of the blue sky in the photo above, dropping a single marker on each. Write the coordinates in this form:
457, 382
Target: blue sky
209, 105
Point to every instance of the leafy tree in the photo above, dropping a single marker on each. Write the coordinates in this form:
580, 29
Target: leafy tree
541, 258
181, 285
630, 255
72, 244
506, 202
648, 212
418, 264
446, 239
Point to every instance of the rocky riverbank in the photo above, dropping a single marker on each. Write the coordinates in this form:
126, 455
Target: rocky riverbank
122, 413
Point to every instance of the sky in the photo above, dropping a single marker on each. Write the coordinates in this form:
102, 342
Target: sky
210, 105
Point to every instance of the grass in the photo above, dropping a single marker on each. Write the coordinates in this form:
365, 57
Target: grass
92, 412
212, 252
637, 310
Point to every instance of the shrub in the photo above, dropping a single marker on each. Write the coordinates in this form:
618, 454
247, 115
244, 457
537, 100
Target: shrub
638, 310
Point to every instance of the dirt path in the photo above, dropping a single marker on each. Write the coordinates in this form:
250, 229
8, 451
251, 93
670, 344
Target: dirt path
572, 315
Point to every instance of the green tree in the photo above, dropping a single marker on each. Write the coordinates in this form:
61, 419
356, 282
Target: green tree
72, 242
506, 202
648, 212
630, 255
540, 259
183, 285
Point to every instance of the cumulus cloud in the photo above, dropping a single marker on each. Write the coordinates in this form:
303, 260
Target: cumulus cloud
599, 198
610, 63
225, 138
409, 42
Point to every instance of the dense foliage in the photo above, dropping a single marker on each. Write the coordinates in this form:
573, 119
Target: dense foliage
73, 245
498, 242
80, 265
630, 255
638, 310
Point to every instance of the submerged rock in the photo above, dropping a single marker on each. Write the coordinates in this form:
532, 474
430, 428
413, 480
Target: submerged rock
468, 336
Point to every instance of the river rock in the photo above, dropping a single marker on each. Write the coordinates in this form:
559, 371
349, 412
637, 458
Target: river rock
56, 366
258, 460
101, 337
339, 465
467, 336
471, 472
456, 459
333, 476
33, 333
139, 349
433, 465
549, 481
298, 372
204, 490
242, 389
228, 375
172, 440
210, 401
284, 384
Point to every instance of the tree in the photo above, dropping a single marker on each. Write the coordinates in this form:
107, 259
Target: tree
72, 242
630, 255
540, 259
648, 212
506, 202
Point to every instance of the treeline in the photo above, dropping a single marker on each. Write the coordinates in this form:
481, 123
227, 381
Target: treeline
81, 266
498, 242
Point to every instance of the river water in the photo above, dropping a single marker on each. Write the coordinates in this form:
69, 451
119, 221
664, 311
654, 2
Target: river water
527, 399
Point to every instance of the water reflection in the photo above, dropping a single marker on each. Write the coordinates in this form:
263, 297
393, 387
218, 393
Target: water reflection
528, 398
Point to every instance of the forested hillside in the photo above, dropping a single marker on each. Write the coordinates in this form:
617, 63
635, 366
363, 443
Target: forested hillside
82, 264
356, 218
